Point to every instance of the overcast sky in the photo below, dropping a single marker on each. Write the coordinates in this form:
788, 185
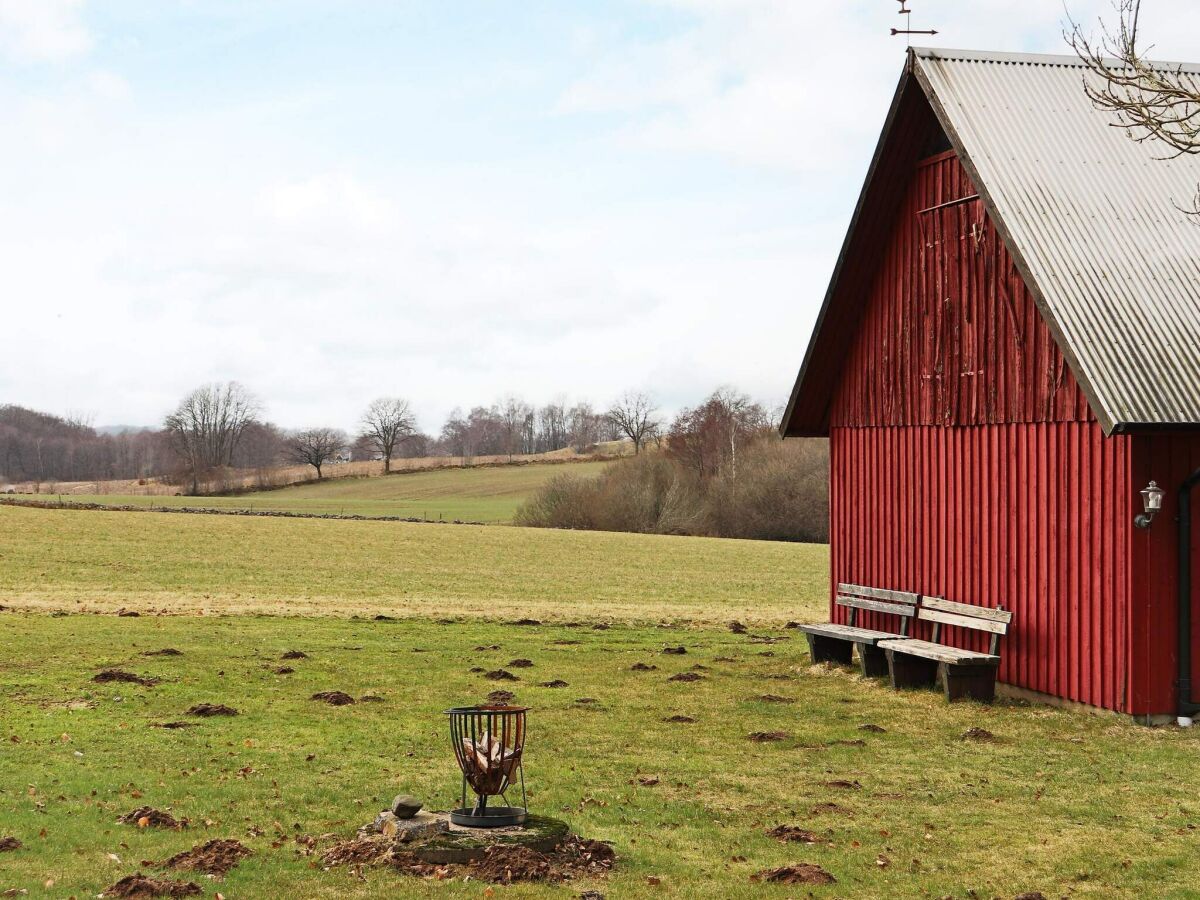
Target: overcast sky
449, 201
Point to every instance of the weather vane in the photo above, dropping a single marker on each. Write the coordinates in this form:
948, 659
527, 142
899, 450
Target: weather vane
905, 11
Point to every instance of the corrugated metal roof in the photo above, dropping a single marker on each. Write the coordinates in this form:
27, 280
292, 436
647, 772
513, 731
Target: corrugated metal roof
1092, 218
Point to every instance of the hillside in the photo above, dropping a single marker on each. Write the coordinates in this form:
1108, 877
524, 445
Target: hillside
488, 494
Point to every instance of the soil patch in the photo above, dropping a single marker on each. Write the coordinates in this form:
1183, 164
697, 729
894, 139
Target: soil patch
333, 698
215, 857
501, 675
556, 683
675, 651
573, 857
357, 851
117, 675
149, 817
124, 613
873, 728
831, 809
857, 742
283, 670
844, 785
520, 663
482, 648
370, 698
501, 697
566, 643
793, 834
140, 885
8, 844
643, 667
527, 622
982, 735
165, 651
681, 720
737, 627
587, 701
803, 873
207, 710
773, 698
765, 737
294, 654
172, 725
686, 676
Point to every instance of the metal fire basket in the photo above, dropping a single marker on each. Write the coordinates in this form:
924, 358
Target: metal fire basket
489, 743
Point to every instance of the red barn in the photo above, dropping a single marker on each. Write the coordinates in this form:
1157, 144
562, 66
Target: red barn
1008, 352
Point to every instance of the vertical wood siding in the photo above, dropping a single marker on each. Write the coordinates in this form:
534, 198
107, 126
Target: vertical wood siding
950, 335
965, 461
1029, 516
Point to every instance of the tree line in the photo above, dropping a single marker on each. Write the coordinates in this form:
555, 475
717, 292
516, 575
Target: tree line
221, 426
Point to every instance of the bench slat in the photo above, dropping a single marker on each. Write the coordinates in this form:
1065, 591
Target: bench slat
933, 615
966, 609
895, 609
939, 652
878, 593
848, 633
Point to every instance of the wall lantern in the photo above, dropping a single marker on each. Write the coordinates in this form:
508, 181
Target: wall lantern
1152, 497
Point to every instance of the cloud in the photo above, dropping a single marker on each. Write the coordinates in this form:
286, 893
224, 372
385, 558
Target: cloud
34, 31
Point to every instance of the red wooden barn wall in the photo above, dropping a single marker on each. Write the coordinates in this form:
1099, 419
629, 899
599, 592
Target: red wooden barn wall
965, 461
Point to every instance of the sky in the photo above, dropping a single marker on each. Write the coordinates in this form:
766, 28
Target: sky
448, 201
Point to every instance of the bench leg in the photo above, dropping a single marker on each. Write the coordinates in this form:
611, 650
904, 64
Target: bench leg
972, 682
824, 649
872, 660
911, 671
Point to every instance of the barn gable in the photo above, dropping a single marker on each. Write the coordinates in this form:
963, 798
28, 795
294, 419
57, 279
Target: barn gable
1087, 217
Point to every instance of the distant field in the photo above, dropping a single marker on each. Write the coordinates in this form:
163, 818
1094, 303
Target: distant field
96, 560
485, 494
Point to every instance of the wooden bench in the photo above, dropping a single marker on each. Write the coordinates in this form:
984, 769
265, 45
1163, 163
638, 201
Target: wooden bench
964, 673
835, 643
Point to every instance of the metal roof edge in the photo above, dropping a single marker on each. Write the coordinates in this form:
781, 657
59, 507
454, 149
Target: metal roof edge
785, 422
1068, 60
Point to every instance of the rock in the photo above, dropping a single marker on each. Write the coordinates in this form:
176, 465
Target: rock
420, 827
405, 806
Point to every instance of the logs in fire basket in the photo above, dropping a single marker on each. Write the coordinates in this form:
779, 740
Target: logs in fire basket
489, 742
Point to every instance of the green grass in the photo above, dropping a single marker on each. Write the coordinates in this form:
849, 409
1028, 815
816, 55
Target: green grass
484, 494
1063, 803
90, 560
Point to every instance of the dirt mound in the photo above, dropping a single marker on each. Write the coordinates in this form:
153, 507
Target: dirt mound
501, 675
117, 675
294, 654
765, 737
737, 627
333, 698
128, 613
8, 844
574, 857
501, 697
172, 725
556, 683
207, 710
527, 622
357, 851
873, 728
844, 785
140, 885
165, 651
214, 857
283, 670
370, 698
675, 651
773, 698
832, 809
803, 873
682, 720
793, 834
642, 667
686, 676
520, 663
149, 817
982, 735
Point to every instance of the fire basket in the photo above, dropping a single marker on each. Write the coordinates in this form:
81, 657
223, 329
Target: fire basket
488, 743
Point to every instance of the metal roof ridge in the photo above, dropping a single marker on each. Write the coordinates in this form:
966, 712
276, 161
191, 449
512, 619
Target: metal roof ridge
1034, 59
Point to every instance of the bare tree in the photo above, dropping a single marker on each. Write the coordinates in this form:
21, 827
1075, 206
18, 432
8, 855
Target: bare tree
516, 421
315, 446
1150, 102
387, 422
207, 425
635, 415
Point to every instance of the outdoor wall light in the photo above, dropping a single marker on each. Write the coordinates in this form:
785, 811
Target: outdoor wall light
1152, 496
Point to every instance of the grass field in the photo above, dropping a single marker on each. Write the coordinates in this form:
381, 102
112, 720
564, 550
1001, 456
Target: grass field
484, 494
1059, 802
